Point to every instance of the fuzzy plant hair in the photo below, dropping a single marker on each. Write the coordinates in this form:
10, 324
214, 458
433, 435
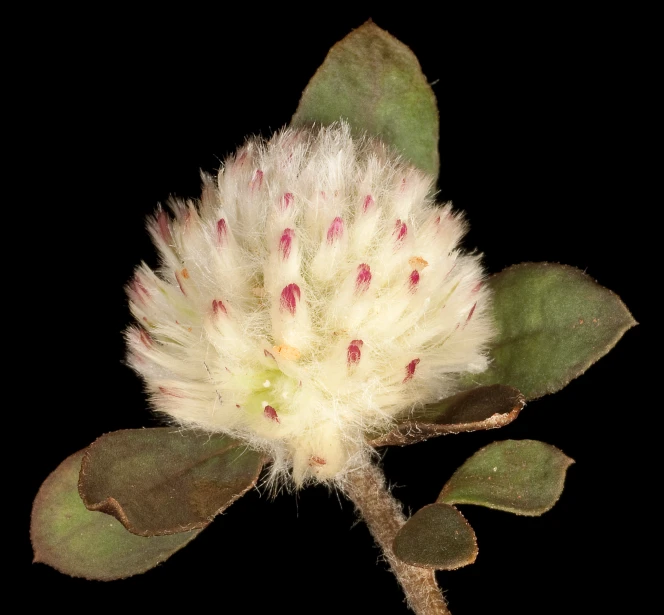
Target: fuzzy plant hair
314, 294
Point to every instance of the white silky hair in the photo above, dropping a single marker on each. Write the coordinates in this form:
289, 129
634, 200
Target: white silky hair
315, 293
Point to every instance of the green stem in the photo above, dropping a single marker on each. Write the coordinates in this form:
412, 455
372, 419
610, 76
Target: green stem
382, 513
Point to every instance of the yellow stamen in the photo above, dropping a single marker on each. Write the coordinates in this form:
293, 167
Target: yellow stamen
417, 263
287, 352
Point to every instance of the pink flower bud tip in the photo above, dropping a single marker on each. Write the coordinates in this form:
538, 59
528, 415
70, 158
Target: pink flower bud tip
285, 243
222, 232
354, 353
400, 231
271, 414
218, 307
363, 278
290, 295
410, 369
336, 230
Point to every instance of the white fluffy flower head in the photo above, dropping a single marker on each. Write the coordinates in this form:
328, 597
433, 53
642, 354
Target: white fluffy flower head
315, 293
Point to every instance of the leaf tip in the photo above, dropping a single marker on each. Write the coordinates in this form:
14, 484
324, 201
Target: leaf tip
350, 84
541, 352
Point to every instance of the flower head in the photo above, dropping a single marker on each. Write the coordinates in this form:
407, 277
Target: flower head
314, 294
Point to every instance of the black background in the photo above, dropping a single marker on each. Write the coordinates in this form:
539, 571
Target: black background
540, 123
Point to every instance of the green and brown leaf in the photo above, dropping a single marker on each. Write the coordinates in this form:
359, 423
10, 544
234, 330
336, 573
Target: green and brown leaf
162, 481
487, 407
553, 323
525, 477
82, 543
438, 537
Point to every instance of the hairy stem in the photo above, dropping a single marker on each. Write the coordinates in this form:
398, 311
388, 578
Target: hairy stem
383, 514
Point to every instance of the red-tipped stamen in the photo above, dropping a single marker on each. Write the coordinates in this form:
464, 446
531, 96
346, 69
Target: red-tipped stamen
354, 352
285, 243
336, 230
256, 180
286, 201
363, 278
218, 307
413, 280
315, 460
368, 202
163, 226
145, 338
410, 369
222, 232
140, 292
267, 353
270, 413
239, 161
141, 287
476, 287
400, 231
289, 298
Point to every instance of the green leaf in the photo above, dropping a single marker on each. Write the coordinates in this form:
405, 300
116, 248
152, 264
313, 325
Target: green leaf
436, 536
162, 481
375, 82
486, 407
553, 323
82, 543
525, 477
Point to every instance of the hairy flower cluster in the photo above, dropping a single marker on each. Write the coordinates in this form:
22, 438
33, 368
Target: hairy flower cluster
315, 293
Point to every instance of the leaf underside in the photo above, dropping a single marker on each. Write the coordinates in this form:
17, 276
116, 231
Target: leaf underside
82, 543
161, 481
525, 477
486, 407
375, 82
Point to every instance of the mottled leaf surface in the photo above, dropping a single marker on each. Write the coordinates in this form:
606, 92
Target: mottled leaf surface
82, 543
525, 477
162, 481
375, 82
486, 407
436, 536
553, 322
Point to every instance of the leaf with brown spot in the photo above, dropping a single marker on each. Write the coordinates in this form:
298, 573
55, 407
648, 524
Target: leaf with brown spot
162, 481
437, 537
525, 477
487, 407
82, 543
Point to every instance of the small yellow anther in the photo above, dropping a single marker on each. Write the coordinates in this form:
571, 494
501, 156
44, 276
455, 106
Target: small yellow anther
417, 263
287, 352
